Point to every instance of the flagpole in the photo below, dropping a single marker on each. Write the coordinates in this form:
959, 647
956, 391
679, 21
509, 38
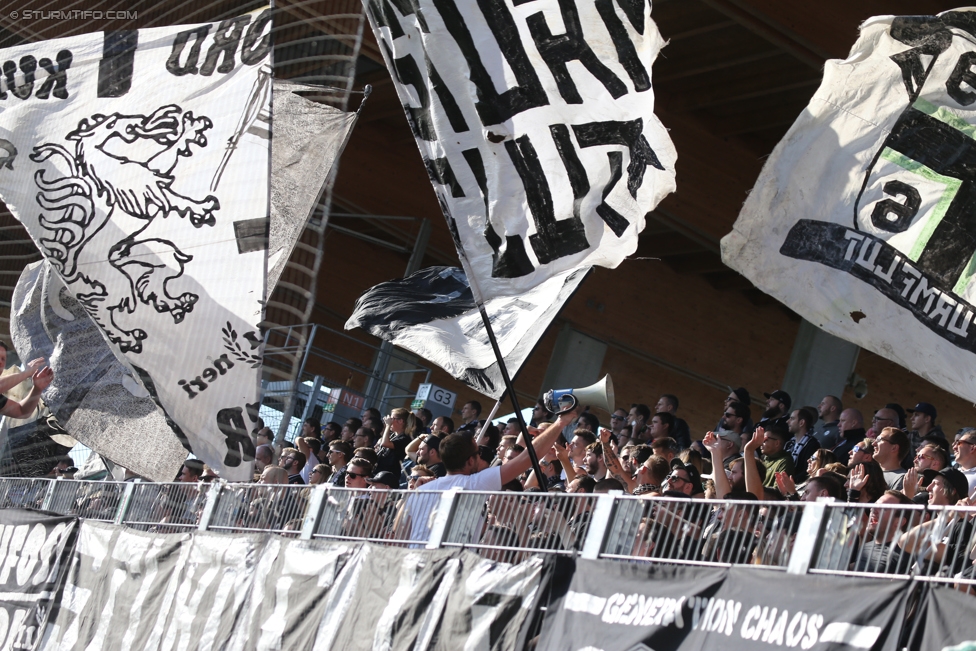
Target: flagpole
511, 392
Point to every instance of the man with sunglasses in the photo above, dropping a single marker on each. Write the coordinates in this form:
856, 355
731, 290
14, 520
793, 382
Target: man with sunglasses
964, 449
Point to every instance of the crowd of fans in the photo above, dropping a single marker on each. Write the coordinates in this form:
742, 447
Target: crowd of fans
896, 459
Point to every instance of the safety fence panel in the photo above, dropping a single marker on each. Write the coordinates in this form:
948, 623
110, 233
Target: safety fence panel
925, 543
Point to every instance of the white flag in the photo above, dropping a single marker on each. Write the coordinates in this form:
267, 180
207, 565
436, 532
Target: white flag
138, 162
432, 313
863, 220
537, 129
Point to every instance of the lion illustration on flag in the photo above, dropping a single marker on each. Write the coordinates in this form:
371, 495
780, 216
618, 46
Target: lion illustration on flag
121, 170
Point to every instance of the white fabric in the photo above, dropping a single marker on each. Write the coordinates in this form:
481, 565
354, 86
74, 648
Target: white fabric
148, 192
858, 221
474, 146
422, 504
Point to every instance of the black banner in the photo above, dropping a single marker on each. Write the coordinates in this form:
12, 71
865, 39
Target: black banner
944, 621
612, 606
128, 589
33, 553
888, 270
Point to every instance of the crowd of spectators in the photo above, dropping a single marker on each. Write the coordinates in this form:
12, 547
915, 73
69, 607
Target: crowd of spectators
786, 453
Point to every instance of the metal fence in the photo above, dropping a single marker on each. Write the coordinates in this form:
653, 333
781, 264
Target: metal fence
932, 544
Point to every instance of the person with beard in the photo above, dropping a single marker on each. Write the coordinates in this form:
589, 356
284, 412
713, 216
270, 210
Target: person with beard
803, 444
777, 406
828, 432
776, 458
851, 428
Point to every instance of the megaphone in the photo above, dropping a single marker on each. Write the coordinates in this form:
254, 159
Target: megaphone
559, 401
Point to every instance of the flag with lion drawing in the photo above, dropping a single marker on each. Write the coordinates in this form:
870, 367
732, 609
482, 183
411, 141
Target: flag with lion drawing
138, 162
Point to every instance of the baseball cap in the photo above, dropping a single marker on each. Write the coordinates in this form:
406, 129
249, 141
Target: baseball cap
925, 408
741, 393
730, 436
957, 480
782, 396
386, 478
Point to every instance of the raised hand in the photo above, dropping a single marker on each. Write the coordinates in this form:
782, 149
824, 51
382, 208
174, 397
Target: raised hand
910, 486
605, 435
858, 479
35, 364
711, 441
43, 378
757, 440
785, 483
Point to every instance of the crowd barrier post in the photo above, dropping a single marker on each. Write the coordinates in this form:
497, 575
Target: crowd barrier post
599, 527
211, 506
807, 537
130, 489
48, 496
315, 507
442, 518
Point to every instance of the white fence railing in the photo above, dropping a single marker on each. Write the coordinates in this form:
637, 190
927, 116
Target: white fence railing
896, 541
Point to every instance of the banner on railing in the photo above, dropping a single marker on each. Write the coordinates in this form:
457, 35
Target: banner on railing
33, 558
128, 589
612, 606
945, 620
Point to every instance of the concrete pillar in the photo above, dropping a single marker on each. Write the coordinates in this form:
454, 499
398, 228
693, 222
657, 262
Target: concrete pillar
819, 365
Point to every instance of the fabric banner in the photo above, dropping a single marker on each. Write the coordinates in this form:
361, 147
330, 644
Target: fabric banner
862, 219
138, 162
34, 554
537, 129
616, 606
128, 589
433, 314
308, 138
944, 621
96, 397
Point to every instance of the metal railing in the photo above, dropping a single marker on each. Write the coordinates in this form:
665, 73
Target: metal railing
931, 544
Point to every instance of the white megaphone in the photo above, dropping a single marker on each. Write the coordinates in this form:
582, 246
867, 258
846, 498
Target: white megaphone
559, 401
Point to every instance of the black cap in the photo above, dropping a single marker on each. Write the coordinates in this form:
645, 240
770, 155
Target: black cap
386, 478
693, 474
957, 480
741, 393
925, 408
782, 396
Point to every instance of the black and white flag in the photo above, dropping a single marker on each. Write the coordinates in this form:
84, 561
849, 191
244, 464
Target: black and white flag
537, 128
96, 397
433, 314
862, 220
137, 164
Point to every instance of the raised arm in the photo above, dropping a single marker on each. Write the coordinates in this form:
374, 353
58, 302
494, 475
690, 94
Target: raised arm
754, 483
42, 380
412, 448
8, 382
540, 444
712, 443
614, 468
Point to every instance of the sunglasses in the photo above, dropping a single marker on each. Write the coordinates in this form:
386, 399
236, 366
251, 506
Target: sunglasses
416, 477
673, 478
353, 474
615, 417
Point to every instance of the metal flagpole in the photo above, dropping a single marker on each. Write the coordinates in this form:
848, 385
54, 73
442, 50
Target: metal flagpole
511, 392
